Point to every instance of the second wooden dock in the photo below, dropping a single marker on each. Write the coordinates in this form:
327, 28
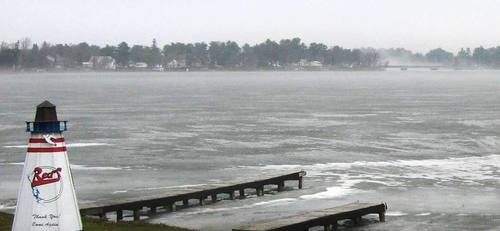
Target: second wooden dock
327, 218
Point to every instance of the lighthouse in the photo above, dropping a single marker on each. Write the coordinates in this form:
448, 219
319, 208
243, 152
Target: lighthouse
46, 199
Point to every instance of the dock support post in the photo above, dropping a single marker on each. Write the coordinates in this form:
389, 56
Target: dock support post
170, 207
300, 182
231, 195
242, 193
356, 220
381, 216
152, 209
328, 227
102, 216
202, 200
281, 186
119, 215
185, 202
214, 197
137, 216
335, 226
260, 191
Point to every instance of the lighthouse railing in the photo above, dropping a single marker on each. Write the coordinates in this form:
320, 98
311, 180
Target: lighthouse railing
57, 126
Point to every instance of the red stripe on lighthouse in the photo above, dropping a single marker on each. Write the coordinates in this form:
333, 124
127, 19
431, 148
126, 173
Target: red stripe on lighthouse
42, 140
56, 149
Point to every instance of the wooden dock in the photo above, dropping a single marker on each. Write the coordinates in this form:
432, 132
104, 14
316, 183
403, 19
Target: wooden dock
327, 218
169, 199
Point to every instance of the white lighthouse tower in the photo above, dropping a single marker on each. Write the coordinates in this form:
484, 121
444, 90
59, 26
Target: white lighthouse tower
46, 199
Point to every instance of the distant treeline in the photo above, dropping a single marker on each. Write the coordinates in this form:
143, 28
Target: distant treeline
285, 54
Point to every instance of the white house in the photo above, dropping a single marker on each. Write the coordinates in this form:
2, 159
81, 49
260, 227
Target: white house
139, 66
88, 65
315, 64
102, 63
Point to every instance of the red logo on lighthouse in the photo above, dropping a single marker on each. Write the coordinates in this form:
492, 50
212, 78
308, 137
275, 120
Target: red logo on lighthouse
40, 180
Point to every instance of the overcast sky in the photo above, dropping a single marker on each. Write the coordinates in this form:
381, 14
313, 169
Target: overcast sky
417, 25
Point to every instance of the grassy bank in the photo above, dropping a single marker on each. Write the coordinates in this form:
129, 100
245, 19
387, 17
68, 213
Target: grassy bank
96, 225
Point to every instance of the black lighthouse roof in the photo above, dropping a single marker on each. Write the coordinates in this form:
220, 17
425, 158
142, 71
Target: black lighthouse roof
46, 112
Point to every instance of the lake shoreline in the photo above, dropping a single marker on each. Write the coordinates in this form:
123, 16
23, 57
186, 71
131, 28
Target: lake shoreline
94, 224
198, 70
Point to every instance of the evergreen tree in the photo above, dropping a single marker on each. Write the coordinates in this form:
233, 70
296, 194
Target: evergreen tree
123, 56
155, 58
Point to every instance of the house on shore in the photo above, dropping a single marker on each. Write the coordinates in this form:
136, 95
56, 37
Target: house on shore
177, 64
58, 62
87, 65
139, 66
100, 63
158, 67
315, 64
305, 64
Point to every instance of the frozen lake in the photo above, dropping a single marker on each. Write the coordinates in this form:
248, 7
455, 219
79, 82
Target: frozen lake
425, 142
